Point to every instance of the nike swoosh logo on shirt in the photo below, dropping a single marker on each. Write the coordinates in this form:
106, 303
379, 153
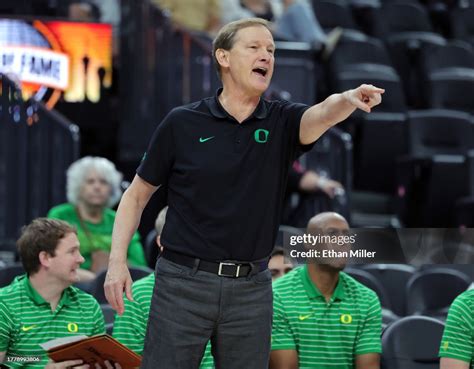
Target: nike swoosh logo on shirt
27, 328
304, 317
201, 140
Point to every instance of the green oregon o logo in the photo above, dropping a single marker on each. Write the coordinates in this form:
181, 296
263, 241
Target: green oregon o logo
261, 135
346, 319
72, 327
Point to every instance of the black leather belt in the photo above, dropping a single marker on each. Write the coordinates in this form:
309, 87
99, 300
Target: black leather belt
223, 269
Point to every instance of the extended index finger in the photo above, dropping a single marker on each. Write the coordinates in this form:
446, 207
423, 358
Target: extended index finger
372, 89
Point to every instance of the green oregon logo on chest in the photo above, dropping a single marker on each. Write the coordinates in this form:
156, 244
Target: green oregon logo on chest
261, 135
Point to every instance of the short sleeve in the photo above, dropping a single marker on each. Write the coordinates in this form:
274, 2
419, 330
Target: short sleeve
369, 339
282, 334
155, 167
458, 336
294, 112
6, 327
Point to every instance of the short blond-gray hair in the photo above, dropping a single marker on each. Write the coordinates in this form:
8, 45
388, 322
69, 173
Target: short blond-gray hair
225, 39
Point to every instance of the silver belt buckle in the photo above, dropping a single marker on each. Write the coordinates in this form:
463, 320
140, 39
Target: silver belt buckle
219, 272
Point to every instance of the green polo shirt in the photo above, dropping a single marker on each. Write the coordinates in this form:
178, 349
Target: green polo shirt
326, 335
130, 328
26, 320
458, 337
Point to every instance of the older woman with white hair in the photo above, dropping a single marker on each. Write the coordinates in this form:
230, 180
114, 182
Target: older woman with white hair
93, 188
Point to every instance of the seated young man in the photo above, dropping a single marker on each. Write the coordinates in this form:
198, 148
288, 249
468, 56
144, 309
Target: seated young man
457, 345
42, 305
130, 327
322, 317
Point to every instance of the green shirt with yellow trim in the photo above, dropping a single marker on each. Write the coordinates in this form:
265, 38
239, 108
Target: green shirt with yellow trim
26, 321
458, 336
326, 335
130, 328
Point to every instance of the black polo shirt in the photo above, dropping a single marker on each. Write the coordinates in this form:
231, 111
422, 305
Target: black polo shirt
225, 180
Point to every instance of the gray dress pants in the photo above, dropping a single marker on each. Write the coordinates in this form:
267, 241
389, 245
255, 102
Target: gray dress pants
190, 307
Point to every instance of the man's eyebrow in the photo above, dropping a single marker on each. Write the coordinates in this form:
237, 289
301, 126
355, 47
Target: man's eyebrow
260, 42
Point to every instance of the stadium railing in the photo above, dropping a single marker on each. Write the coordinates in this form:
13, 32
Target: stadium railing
36, 147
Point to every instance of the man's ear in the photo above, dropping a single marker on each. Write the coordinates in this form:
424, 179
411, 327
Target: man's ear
44, 258
222, 57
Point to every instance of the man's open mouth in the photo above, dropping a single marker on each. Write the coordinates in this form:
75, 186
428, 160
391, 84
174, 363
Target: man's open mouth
260, 70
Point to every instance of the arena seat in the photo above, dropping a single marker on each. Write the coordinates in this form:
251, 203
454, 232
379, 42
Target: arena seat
456, 57
400, 17
412, 343
385, 134
439, 131
296, 71
351, 52
435, 173
333, 13
465, 212
454, 54
394, 279
462, 26
388, 317
394, 99
332, 156
444, 88
9, 272
430, 292
383, 131
467, 269
406, 29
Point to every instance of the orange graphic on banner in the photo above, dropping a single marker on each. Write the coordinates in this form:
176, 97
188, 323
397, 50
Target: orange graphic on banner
89, 48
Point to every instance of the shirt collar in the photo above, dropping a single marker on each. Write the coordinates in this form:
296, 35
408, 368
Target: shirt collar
313, 291
39, 300
218, 111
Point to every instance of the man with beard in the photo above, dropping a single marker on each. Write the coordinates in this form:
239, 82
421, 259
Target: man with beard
323, 318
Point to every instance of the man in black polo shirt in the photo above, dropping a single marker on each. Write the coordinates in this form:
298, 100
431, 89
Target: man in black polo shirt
223, 162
